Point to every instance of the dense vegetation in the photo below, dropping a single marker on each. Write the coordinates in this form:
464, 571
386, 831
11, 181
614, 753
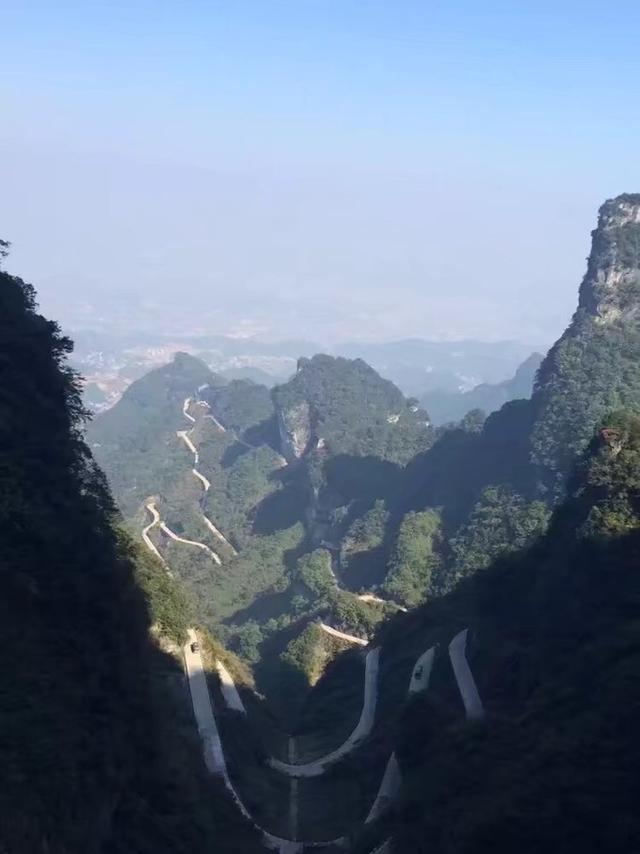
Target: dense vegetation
363, 557
594, 367
272, 515
241, 405
555, 652
415, 559
97, 744
134, 441
352, 409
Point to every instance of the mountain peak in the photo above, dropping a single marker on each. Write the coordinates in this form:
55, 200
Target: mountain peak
611, 286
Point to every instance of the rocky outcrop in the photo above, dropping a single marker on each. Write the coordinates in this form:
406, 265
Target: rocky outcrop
592, 369
611, 286
294, 426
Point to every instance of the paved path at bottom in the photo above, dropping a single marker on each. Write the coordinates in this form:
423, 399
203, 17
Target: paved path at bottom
230, 693
421, 673
361, 731
388, 791
473, 707
214, 754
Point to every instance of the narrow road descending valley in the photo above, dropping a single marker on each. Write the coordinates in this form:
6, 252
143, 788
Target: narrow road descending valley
361, 731
421, 673
206, 483
185, 410
464, 677
214, 754
232, 698
213, 751
204, 713
207, 727
342, 635
155, 519
388, 791
202, 546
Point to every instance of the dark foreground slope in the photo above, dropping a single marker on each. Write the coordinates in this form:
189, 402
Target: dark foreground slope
96, 743
555, 651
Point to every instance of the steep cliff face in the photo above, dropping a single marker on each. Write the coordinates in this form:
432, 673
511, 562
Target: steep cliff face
595, 366
95, 745
526, 452
294, 427
611, 286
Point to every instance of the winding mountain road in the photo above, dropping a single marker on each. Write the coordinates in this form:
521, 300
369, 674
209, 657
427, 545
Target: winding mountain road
202, 546
212, 745
392, 778
185, 410
184, 435
206, 483
155, 519
421, 673
464, 677
214, 753
361, 731
232, 698
388, 791
217, 533
342, 635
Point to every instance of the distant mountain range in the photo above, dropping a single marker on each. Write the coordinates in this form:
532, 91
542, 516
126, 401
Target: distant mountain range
110, 362
449, 406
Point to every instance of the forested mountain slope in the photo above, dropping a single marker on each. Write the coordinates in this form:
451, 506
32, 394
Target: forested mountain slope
256, 540
345, 405
554, 651
595, 366
96, 743
490, 483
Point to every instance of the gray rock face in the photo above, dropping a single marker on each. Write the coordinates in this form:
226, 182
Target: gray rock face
294, 426
611, 286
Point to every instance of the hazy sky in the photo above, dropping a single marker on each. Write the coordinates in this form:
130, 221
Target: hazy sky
319, 168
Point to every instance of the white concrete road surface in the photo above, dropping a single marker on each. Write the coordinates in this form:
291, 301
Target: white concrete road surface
202, 546
212, 746
337, 634
217, 533
185, 410
388, 791
155, 519
206, 483
421, 673
464, 677
361, 731
230, 694
201, 702
184, 435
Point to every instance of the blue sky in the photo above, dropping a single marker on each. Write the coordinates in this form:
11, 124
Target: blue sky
419, 168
